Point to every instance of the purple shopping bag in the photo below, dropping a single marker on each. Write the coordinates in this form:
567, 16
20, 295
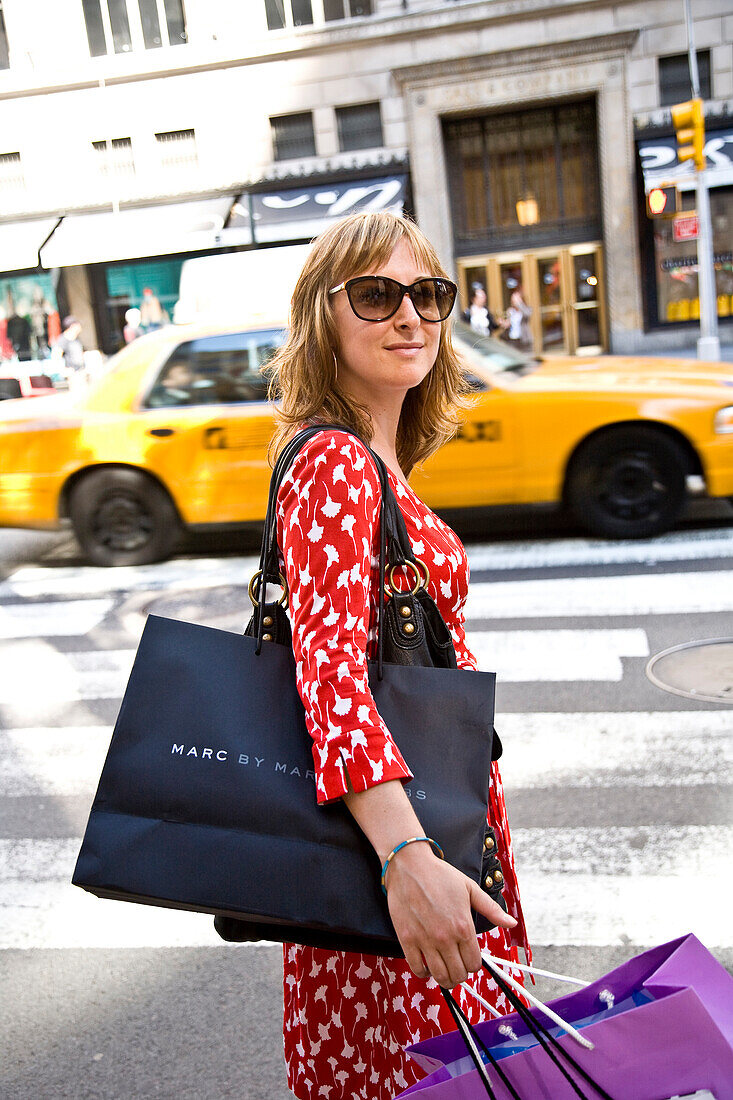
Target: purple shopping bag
666, 1030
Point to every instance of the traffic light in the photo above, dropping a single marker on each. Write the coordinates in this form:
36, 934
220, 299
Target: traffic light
662, 202
689, 125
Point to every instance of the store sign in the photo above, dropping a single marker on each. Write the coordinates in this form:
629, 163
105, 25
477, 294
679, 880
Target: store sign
303, 212
659, 161
686, 227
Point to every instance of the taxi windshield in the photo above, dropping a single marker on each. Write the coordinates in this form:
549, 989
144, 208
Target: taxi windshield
489, 354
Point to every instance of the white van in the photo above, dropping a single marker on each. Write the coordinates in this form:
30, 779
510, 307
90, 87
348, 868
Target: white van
251, 288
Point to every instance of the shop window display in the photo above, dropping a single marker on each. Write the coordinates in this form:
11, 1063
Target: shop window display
29, 317
676, 262
152, 288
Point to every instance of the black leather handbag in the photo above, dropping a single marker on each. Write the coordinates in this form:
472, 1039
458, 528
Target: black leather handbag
207, 801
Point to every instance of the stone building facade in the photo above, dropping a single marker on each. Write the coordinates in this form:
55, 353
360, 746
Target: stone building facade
522, 135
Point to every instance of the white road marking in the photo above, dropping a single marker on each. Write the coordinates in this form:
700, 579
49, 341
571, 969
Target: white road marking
599, 910
548, 750
520, 656
33, 669
535, 655
626, 850
651, 594
583, 887
59, 762
608, 749
35, 582
563, 553
64, 618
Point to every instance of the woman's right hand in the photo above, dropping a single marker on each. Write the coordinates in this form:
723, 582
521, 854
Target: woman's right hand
430, 904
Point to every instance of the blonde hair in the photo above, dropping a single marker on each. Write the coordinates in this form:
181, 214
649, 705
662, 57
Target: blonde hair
304, 373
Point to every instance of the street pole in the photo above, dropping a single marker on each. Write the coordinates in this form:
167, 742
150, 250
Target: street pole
708, 344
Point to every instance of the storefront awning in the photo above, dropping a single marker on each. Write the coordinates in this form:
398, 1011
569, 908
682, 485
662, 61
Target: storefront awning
301, 213
20, 241
131, 234
659, 163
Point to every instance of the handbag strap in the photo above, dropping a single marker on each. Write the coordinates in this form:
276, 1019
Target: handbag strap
394, 542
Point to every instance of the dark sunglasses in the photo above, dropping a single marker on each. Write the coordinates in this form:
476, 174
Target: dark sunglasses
377, 298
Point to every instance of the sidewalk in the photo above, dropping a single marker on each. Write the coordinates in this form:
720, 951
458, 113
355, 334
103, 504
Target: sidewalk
726, 353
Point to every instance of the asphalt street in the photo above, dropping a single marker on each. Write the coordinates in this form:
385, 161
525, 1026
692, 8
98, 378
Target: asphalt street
619, 795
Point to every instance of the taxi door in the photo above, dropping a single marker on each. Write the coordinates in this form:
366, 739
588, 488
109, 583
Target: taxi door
207, 425
480, 465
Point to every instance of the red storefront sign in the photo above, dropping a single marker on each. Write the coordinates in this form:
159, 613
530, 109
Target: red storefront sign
686, 227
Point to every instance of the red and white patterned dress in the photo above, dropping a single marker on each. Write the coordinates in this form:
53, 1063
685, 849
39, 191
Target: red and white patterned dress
348, 1016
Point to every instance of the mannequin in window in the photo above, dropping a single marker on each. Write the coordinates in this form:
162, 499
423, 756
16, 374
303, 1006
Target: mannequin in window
152, 314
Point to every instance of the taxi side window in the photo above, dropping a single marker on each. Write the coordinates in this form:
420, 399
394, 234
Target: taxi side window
216, 370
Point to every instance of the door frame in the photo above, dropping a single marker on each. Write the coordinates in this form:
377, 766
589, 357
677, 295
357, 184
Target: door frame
527, 260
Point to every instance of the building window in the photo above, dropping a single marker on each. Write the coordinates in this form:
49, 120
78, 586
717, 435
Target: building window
345, 9
119, 26
675, 259
293, 136
177, 149
544, 156
4, 52
11, 173
359, 127
288, 13
114, 157
674, 78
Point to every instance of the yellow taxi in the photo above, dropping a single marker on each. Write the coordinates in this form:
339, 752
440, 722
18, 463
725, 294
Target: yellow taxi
173, 436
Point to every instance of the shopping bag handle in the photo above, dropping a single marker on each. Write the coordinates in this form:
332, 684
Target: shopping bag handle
546, 1040
475, 1047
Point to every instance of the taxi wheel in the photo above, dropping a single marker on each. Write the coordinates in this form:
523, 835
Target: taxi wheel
121, 517
627, 483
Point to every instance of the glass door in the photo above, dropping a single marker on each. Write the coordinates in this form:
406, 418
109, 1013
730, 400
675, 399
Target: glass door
547, 302
586, 302
553, 320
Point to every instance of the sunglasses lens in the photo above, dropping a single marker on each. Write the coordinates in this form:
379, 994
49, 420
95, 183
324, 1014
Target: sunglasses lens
373, 298
433, 298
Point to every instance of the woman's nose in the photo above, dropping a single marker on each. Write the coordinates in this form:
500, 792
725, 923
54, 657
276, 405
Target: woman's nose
407, 315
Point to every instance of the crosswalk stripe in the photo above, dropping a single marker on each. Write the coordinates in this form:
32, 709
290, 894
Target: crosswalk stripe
699, 850
36, 582
548, 750
516, 656
48, 761
651, 594
608, 749
534, 655
563, 553
602, 890
53, 620
64, 677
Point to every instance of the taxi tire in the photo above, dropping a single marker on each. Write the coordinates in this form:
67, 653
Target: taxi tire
627, 483
122, 517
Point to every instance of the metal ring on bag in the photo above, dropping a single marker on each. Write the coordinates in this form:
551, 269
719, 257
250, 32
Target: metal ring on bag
254, 589
390, 588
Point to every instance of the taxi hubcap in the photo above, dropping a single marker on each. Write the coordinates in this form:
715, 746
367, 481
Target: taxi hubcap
123, 523
631, 487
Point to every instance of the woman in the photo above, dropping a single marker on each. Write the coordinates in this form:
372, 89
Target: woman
395, 379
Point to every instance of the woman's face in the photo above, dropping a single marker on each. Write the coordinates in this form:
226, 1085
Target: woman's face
380, 360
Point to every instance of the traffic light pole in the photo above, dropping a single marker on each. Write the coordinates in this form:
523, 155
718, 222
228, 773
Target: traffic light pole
708, 345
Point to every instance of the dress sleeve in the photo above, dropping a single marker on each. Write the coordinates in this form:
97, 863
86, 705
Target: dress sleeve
328, 519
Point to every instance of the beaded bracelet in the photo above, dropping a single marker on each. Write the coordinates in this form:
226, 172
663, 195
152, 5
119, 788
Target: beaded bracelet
412, 840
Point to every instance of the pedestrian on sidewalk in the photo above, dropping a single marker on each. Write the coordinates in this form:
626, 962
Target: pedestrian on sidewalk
377, 357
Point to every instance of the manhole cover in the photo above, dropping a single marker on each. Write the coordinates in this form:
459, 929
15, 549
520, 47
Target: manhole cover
697, 670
